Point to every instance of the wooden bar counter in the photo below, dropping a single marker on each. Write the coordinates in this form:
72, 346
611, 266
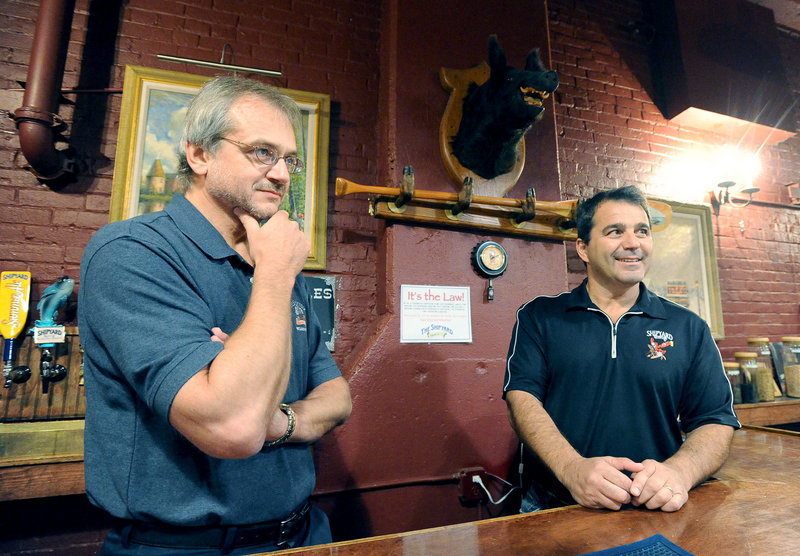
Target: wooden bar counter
752, 508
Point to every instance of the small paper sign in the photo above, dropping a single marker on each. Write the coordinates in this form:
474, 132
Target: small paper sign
435, 314
49, 335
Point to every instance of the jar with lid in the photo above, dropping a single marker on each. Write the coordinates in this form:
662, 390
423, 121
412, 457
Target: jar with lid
735, 377
748, 366
764, 359
791, 365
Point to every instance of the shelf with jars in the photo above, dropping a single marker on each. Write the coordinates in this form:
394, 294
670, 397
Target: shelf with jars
765, 379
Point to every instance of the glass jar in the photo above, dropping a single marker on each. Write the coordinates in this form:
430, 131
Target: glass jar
766, 368
735, 377
791, 365
748, 366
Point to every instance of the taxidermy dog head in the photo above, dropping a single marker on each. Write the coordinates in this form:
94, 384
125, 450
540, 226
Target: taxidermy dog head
497, 113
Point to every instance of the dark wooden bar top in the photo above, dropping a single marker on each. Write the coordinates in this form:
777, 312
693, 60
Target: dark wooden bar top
752, 508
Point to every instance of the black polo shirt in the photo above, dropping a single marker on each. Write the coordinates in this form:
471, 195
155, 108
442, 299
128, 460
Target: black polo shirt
625, 389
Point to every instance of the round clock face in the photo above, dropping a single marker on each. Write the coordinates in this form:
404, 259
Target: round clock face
493, 258
490, 258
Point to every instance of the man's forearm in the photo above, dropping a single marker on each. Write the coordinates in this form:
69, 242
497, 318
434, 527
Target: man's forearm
253, 370
325, 407
538, 432
702, 453
226, 408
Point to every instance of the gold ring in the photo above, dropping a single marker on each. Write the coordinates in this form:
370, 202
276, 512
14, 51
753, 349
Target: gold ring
669, 488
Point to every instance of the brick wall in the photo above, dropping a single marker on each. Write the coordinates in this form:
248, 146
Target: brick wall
612, 134
327, 47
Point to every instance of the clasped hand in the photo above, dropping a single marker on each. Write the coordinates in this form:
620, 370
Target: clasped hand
601, 482
280, 242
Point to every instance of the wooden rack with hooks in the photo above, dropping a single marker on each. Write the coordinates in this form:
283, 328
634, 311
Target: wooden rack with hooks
526, 217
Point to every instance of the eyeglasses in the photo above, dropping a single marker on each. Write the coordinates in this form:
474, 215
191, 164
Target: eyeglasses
268, 156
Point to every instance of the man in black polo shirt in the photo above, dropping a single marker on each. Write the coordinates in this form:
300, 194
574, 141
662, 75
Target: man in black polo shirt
603, 382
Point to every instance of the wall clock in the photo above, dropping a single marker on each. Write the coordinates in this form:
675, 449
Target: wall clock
490, 261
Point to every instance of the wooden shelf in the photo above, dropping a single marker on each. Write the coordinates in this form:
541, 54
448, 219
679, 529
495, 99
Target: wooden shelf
780, 412
41, 481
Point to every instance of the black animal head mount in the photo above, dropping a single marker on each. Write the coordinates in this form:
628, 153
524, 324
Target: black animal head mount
498, 112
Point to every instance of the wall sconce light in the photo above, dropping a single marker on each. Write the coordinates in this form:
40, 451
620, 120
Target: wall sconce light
723, 196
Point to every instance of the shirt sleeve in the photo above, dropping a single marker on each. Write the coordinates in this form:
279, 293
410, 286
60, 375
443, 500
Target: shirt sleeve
150, 322
526, 365
707, 396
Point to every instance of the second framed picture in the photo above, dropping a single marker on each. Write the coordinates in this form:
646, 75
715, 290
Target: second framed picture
684, 266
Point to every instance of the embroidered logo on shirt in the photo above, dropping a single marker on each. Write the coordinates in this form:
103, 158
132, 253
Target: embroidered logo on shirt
659, 342
299, 316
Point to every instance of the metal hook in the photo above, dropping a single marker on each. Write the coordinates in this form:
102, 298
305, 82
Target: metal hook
528, 207
464, 198
406, 187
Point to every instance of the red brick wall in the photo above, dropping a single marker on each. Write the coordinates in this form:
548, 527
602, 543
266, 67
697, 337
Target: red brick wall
327, 47
612, 134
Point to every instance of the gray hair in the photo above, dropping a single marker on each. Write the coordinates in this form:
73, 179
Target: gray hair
208, 116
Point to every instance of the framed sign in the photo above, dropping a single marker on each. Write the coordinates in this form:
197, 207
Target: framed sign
684, 268
154, 104
323, 299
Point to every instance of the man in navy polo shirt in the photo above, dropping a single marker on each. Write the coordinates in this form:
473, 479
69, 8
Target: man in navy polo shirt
206, 374
603, 382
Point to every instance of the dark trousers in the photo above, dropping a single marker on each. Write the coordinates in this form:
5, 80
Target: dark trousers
318, 532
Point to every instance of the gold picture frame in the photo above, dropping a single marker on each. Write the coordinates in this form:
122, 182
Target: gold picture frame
153, 104
684, 267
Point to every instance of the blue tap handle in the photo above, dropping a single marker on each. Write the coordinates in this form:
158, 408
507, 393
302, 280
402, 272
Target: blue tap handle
53, 298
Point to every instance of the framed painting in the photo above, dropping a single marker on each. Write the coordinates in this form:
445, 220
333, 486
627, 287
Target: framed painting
154, 103
684, 268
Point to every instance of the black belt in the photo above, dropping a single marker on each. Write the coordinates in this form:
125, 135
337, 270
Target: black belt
224, 537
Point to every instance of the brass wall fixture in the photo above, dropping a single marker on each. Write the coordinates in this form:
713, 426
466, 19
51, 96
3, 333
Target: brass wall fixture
723, 196
221, 65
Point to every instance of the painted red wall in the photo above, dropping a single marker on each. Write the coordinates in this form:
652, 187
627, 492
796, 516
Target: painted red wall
423, 412
436, 405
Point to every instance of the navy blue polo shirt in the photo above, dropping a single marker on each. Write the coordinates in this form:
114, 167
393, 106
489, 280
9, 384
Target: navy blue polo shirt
152, 287
624, 389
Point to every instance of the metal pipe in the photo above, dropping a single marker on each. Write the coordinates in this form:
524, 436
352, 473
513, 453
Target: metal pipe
37, 119
107, 90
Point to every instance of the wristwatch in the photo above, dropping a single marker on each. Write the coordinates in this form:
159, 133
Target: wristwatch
289, 429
